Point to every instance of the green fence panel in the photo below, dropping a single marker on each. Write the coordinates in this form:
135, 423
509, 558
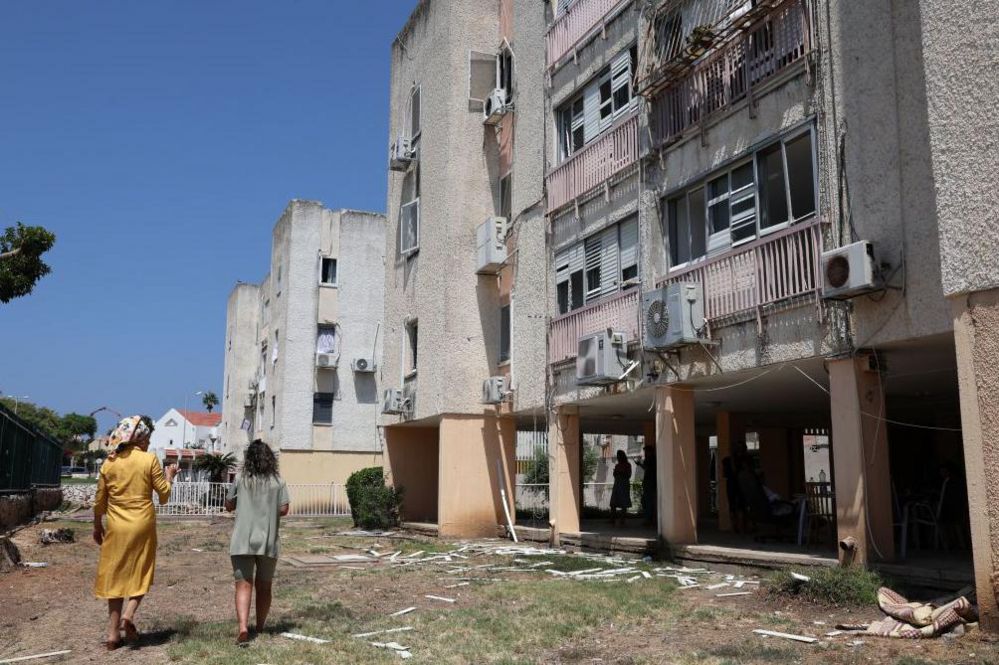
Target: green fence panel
28, 457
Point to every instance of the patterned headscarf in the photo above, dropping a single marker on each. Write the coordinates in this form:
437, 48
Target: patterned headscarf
133, 430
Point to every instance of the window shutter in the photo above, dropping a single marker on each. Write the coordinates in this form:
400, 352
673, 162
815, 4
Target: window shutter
629, 243
481, 78
593, 251
610, 266
409, 227
591, 111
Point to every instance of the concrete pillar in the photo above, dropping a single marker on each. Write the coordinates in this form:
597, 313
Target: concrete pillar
976, 337
476, 454
860, 457
728, 429
676, 461
564, 455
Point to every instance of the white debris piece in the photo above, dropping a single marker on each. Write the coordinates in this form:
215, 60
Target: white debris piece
401, 612
720, 585
834, 633
440, 598
304, 638
455, 586
786, 636
732, 595
385, 631
801, 578
51, 654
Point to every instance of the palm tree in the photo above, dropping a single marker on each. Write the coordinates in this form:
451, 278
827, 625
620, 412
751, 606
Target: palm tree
210, 400
217, 466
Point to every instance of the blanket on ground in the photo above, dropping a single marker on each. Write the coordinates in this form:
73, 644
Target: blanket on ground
912, 620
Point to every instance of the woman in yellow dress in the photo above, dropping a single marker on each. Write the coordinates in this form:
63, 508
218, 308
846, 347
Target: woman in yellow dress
128, 542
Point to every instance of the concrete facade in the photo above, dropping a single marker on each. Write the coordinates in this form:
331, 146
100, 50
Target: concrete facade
277, 330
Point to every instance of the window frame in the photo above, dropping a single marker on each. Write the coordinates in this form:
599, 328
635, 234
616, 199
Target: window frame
322, 271
506, 197
562, 262
415, 119
410, 347
318, 400
412, 250
505, 334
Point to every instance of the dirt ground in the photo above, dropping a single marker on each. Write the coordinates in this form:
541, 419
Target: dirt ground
499, 616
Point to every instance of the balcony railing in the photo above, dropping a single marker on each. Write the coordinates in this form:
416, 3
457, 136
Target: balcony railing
775, 268
775, 42
610, 153
619, 312
577, 22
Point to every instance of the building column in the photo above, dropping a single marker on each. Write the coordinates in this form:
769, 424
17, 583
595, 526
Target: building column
564, 486
976, 337
728, 429
676, 465
860, 458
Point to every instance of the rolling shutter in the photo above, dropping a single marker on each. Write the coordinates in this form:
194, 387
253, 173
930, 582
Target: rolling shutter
629, 243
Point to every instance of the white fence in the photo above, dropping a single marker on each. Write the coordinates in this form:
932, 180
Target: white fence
203, 499
534, 497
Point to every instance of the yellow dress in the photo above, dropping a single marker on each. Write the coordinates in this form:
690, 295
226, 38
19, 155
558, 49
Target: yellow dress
124, 494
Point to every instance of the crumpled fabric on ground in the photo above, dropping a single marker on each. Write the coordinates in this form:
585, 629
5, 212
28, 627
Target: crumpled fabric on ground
913, 621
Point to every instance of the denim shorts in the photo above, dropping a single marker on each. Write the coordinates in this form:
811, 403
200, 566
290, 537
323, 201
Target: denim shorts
243, 566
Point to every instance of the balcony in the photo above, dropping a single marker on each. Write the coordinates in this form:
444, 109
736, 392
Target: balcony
575, 24
777, 39
619, 312
778, 267
608, 154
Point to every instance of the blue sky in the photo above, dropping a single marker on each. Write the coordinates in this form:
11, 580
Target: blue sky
160, 141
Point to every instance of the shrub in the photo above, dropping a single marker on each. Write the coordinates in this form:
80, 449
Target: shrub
373, 505
831, 586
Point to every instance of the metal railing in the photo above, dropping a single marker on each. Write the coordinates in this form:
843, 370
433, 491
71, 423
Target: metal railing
28, 457
777, 267
594, 164
569, 29
619, 312
204, 499
731, 71
531, 497
597, 495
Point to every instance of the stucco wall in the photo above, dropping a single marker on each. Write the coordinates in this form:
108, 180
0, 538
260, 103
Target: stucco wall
961, 77
411, 463
314, 467
241, 359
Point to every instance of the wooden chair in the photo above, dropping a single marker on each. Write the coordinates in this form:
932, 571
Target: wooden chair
817, 513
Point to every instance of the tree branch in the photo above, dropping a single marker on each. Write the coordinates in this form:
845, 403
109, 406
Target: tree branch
11, 254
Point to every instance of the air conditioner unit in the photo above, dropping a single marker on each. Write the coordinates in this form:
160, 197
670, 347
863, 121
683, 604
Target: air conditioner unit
494, 390
491, 246
849, 271
363, 365
392, 402
401, 154
495, 107
250, 401
326, 360
602, 358
672, 315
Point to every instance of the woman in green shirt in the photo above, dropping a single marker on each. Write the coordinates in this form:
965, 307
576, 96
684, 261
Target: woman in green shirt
260, 499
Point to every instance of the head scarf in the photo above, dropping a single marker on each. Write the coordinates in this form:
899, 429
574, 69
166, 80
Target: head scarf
130, 431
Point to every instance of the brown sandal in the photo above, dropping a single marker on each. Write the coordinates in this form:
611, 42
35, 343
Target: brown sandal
131, 632
111, 646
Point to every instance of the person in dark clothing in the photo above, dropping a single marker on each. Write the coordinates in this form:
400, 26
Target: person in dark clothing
649, 484
731, 466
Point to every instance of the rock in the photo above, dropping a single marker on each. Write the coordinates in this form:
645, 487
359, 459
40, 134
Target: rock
10, 556
50, 536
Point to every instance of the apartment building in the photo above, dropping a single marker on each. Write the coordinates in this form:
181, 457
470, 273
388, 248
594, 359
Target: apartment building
304, 346
465, 254
766, 225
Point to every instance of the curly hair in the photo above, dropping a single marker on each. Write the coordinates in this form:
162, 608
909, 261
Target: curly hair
259, 460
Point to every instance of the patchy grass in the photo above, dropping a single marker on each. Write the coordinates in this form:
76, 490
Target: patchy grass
752, 651
79, 481
854, 586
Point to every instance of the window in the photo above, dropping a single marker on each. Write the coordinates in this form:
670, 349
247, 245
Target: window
274, 351
263, 358
277, 293
411, 345
603, 100
328, 271
409, 227
571, 130
598, 266
504, 72
504, 350
772, 188
273, 410
322, 409
563, 7
327, 340
415, 112
505, 195
267, 310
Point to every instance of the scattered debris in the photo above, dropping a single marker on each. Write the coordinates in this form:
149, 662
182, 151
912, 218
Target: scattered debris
732, 595
455, 586
786, 636
834, 633
440, 598
919, 620
51, 536
401, 612
304, 638
800, 578
22, 659
715, 587
385, 631
195, 549
34, 564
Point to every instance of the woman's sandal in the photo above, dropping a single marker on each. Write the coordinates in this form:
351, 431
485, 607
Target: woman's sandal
243, 639
111, 646
131, 632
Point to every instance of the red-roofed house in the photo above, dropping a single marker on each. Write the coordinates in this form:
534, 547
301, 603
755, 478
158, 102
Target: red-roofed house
180, 429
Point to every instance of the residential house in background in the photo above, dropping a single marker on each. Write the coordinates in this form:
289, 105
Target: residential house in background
178, 428
465, 259
303, 347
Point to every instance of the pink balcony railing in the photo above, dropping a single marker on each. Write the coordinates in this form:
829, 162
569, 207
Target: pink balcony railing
749, 58
589, 168
619, 312
777, 267
575, 24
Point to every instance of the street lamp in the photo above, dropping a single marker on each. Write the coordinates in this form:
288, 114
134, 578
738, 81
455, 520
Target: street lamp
183, 440
16, 398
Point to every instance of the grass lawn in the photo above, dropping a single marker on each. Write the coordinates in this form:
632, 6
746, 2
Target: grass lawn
79, 481
504, 610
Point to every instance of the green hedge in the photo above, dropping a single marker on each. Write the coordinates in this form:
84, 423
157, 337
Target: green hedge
373, 505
